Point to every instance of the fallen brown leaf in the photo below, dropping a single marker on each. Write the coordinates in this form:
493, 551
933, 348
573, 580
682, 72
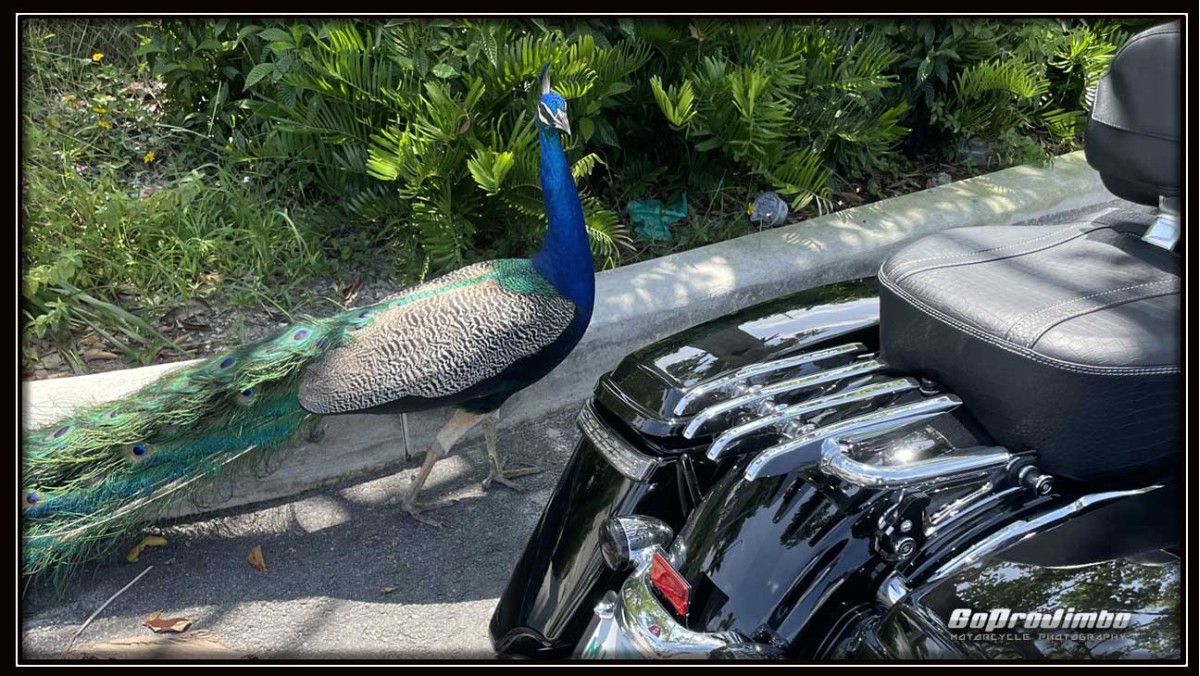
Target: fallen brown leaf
148, 541
352, 291
386, 590
195, 645
256, 559
90, 355
167, 625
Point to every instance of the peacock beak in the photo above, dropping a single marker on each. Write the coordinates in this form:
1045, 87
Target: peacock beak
561, 121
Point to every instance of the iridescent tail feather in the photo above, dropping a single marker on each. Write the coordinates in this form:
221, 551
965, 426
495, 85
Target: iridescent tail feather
91, 478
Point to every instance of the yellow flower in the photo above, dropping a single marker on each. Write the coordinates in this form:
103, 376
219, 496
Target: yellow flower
99, 110
104, 124
228, 148
148, 157
96, 56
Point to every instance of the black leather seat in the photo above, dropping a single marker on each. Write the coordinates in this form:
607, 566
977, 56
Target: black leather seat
1061, 338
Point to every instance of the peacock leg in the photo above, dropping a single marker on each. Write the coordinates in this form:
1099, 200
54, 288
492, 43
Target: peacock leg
459, 424
496, 471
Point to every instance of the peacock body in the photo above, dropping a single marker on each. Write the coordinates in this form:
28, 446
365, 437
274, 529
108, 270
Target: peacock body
469, 339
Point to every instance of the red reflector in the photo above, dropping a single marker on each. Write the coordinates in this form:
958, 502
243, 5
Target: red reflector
670, 583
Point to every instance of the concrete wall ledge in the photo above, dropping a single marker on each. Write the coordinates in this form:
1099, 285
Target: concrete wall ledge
640, 303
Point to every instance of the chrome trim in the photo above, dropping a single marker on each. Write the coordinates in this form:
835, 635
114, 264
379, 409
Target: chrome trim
954, 507
967, 508
626, 618
1017, 531
1165, 231
734, 435
759, 369
759, 393
639, 610
623, 457
893, 589
642, 536
790, 455
956, 466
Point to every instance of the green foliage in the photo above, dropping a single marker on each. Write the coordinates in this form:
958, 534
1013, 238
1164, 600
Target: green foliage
283, 146
1018, 84
792, 103
421, 127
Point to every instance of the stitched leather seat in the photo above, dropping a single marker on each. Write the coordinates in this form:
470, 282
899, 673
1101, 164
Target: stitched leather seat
1064, 338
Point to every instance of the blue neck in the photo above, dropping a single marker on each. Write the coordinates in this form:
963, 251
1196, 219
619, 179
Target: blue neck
565, 258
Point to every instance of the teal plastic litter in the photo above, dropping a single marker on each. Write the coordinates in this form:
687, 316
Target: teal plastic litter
652, 219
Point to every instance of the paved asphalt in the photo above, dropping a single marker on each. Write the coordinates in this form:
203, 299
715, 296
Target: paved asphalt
329, 553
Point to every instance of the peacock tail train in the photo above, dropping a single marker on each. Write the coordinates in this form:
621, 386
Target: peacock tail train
91, 478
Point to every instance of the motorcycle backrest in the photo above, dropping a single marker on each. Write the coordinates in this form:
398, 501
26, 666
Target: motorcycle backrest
1132, 135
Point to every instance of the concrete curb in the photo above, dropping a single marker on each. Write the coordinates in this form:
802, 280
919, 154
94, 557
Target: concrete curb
640, 303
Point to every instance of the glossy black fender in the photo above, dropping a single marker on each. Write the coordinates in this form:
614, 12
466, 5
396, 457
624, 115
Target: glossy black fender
788, 562
560, 574
1120, 558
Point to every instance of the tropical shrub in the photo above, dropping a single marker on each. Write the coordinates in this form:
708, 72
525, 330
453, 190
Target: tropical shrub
199, 149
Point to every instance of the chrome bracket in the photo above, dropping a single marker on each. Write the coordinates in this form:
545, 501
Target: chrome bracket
901, 527
1165, 231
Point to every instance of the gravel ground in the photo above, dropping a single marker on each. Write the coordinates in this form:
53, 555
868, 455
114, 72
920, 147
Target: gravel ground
331, 554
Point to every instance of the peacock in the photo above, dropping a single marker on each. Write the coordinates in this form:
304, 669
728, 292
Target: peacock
469, 340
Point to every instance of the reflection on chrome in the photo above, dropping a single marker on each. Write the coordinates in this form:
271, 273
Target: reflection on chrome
961, 465
758, 395
730, 438
634, 625
804, 450
728, 383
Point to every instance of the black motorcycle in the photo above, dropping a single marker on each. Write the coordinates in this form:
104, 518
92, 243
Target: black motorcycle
973, 455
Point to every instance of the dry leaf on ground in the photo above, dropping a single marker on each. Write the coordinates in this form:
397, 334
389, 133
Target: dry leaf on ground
148, 541
256, 559
167, 625
386, 590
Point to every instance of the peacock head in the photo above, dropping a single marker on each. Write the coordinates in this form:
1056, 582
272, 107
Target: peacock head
552, 107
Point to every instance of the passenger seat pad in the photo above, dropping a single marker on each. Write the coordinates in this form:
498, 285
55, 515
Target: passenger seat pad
1060, 338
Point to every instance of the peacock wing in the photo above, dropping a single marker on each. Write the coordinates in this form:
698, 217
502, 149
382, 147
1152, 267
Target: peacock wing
440, 339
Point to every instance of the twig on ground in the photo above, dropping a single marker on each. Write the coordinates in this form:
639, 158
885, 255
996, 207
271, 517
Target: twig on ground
104, 605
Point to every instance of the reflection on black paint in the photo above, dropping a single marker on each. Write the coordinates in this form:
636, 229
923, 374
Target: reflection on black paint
1151, 593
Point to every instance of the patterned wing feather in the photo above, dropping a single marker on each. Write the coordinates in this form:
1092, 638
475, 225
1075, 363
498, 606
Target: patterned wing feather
441, 340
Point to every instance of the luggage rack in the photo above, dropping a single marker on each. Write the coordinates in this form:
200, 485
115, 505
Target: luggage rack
814, 420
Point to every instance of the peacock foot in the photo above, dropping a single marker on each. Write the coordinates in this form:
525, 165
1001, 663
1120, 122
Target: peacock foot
504, 477
416, 509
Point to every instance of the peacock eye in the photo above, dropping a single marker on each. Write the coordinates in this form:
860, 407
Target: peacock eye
138, 452
245, 396
32, 499
60, 432
300, 335
226, 363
